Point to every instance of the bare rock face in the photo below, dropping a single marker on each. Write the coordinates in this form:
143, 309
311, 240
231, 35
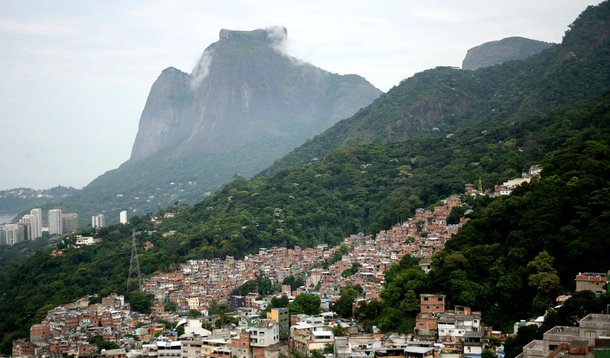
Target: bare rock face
496, 52
245, 90
160, 119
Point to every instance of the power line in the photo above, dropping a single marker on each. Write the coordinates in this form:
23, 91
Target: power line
135, 277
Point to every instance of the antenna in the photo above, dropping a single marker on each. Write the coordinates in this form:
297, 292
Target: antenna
135, 277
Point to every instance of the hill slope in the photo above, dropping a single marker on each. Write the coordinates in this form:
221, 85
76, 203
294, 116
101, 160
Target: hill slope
445, 99
370, 186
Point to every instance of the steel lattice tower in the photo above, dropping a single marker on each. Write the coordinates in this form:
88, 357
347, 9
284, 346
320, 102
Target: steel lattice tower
135, 277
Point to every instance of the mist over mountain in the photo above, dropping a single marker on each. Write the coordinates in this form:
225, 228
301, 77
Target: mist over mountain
244, 105
496, 52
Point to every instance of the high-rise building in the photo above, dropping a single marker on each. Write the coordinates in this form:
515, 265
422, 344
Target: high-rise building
123, 217
69, 222
26, 220
281, 316
14, 233
98, 220
36, 223
55, 222
2, 235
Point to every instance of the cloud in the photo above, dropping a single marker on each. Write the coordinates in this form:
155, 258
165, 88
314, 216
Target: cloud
202, 69
278, 36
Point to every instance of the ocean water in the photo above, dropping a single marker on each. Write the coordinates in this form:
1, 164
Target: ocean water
6, 218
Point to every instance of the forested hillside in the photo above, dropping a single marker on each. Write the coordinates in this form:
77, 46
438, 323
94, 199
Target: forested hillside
445, 99
519, 252
404, 151
357, 189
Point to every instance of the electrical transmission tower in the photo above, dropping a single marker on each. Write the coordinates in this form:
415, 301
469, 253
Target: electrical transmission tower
134, 280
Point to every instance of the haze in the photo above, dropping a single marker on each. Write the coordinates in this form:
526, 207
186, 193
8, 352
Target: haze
74, 76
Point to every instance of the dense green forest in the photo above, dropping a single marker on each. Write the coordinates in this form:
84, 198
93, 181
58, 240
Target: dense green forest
488, 125
519, 252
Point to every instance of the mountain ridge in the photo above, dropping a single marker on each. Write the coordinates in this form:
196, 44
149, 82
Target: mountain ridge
245, 104
500, 51
374, 184
445, 98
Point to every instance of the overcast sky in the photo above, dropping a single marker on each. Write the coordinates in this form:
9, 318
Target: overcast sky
74, 75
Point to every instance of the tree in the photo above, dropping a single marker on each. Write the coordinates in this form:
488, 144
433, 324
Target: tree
193, 313
514, 345
368, 313
294, 281
101, 343
170, 306
338, 330
278, 302
316, 354
488, 353
455, 215
545, 279
578, 306
305, 303
344, 304
140, 301
410, 302
352, 270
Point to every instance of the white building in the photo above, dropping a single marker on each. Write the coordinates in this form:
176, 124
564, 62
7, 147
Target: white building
55, 222
85, 240
98, 220
264, 334
123, 217
14, 233
36, 223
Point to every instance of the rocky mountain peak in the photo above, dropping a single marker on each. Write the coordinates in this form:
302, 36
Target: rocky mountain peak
496, 52
272, 35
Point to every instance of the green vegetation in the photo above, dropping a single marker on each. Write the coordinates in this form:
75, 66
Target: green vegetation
294, 281
276, 302
262, 285
193, 313
526, 247
101, 343
282, 103
443, 100
400, 301
305, 303
170, 306
576, 307
352, 270
417, 144
343, 306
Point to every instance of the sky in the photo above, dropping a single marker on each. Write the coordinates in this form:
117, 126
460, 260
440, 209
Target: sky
75, 75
